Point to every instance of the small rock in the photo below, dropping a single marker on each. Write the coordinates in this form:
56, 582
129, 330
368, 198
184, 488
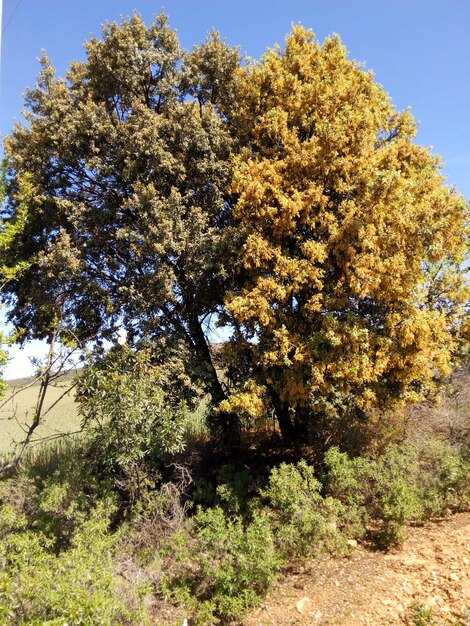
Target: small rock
433, 601
352, 543
453, 576
304, 606
387, 602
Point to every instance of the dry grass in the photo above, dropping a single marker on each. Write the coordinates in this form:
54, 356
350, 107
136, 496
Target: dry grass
17, 414
63, 417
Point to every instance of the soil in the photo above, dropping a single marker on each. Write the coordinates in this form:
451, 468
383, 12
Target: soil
431, 570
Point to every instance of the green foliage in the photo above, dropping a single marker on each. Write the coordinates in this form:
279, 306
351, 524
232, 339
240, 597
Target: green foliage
75, 586
59, 557
444, 479
123, 401
403, 485
129, 158
382, 489
226, 568
238, 548
56, 550
423, 616
3, 362
304, 521
56, 491
12, 229
12, 266
232, 490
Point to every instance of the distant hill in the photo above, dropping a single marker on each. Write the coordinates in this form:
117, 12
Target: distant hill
16, 383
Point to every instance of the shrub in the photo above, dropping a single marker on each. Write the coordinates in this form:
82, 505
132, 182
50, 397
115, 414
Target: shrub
304, 521
225, 568
404, 485
75, 586
344, 480
444, 479
236, 549
133, 419
233, 487
383, 489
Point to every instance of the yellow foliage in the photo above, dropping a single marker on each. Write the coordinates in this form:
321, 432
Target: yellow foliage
351, 279
249, 402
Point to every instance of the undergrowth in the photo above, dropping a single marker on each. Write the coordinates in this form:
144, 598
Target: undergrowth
75, 549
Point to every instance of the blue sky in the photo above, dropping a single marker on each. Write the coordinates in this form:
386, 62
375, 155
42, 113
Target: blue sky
418, 49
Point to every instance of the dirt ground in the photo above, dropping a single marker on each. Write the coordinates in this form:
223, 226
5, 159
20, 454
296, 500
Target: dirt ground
431, 570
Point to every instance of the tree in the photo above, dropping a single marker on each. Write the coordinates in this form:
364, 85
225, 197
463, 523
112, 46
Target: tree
129, 222
152, 170
11, 268
62, 348
352, 288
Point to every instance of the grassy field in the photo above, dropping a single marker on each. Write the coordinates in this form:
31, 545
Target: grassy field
61, 418
17, 413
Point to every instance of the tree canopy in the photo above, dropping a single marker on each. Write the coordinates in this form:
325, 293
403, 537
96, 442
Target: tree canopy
286, 196
352, 287
129, 160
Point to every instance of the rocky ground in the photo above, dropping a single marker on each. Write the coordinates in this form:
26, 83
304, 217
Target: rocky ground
424, 582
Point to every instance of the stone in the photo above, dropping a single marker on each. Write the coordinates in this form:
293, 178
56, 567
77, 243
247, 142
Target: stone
304, 606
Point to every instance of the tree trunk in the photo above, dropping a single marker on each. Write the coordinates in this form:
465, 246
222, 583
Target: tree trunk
225, 425
204, 354
283, 418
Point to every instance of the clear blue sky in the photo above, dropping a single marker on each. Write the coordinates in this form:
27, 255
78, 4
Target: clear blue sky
418, 49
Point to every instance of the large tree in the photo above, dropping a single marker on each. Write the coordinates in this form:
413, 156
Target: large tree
148, 167
352, 288
129, 161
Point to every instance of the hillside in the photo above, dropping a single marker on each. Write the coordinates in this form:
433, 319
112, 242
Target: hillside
16, 413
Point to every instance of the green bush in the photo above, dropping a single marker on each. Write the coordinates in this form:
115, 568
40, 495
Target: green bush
344, 480
58, 557
133, 418
303, 520
405, 484
225, 564
225, 567
229, 489
444, 479
56, 550
75, 586
383, 489
232, 489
